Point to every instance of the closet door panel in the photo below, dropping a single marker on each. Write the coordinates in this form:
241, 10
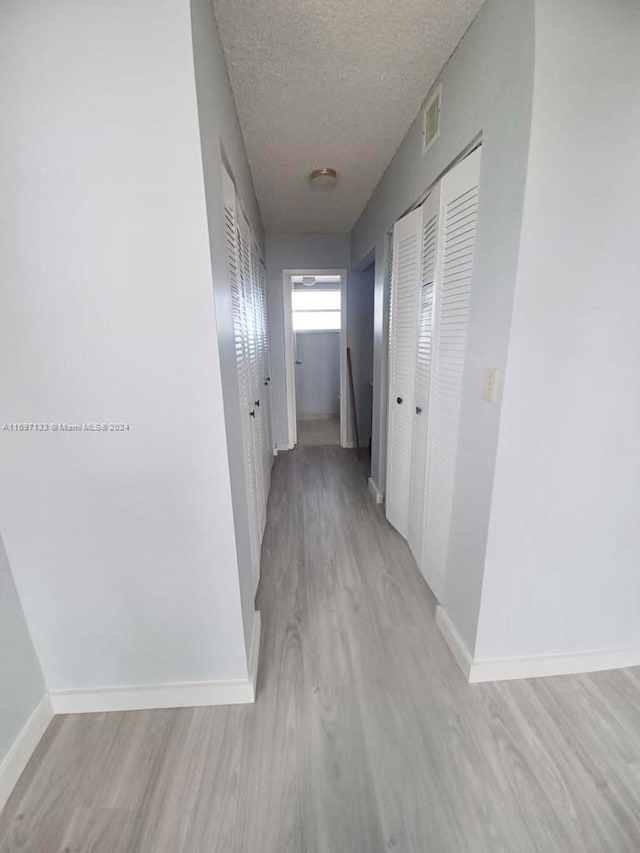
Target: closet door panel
458, 211
251, 348
403, 327
431, 239
266, 379
256, 373
236, 285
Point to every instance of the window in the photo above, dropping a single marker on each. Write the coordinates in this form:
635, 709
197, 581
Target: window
315, 310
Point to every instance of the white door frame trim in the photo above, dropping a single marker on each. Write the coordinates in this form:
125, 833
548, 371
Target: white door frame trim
290, 384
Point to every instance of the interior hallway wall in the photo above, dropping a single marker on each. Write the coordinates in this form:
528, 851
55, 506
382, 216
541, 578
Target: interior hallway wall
21, 681
220, 131
562, 571
121, 543
488, 90
293, 251
360, 294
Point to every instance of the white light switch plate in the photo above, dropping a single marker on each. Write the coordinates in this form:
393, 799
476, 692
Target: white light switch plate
490, 385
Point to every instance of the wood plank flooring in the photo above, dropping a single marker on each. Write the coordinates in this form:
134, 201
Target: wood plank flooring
318, 432
364, 738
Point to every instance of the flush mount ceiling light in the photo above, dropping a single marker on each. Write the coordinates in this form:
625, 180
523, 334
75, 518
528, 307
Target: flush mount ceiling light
308, 280
323, 179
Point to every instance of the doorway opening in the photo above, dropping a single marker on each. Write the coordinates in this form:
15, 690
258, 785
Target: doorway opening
315, 351
360, 343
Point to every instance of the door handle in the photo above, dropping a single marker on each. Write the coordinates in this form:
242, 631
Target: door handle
298, 362
257, 403
252, 413
398, 399
418, 410
267, 380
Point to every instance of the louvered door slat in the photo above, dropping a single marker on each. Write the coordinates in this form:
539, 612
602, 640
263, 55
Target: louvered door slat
265, 378
403, 329
251, 351
257, 374
458, 210
236, 268
248, 403
424, 353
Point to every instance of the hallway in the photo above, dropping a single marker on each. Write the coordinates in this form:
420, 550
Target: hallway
364, 737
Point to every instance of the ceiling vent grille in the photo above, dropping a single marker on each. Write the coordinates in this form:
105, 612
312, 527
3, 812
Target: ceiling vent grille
431, 119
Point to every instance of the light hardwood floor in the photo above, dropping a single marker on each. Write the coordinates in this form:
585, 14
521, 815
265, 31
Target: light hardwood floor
364, 738
319, 432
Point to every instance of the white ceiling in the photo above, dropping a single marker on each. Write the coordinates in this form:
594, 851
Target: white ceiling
330, 83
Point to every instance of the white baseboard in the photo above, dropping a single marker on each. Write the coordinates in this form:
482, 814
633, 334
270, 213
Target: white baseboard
280, 448
507, 669
254, 651
275, 451
454, 641
188, 694
375, 491
23, 747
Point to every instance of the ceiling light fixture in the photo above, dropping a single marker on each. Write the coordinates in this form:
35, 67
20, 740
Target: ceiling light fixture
323, 179
308, 280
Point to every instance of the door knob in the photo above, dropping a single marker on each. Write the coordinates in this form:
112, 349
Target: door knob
252, 413
418, 410
257, 403
298, 362
398, 399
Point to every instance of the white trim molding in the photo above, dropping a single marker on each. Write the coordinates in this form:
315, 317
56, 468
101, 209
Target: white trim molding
375, 491
254, 652
23, 748
289, 355
454, 641
507, 669
185, 694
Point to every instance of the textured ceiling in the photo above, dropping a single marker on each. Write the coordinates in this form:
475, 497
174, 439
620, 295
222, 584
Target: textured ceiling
330, 83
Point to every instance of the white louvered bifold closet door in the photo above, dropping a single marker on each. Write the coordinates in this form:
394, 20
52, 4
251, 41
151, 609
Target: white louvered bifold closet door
251, 350
266, 378
236, 286
403, 327
258, 373
431, 239
458, 211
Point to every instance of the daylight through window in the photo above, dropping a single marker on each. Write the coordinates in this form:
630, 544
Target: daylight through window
315, 310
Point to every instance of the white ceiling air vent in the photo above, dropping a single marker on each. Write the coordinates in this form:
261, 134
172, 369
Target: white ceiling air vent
431, 119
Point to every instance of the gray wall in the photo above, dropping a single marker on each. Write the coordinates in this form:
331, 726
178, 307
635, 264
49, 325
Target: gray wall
121, 544
360, 341
219, 127
562, 569
318, 377
21, 682
293, 251
487, 88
